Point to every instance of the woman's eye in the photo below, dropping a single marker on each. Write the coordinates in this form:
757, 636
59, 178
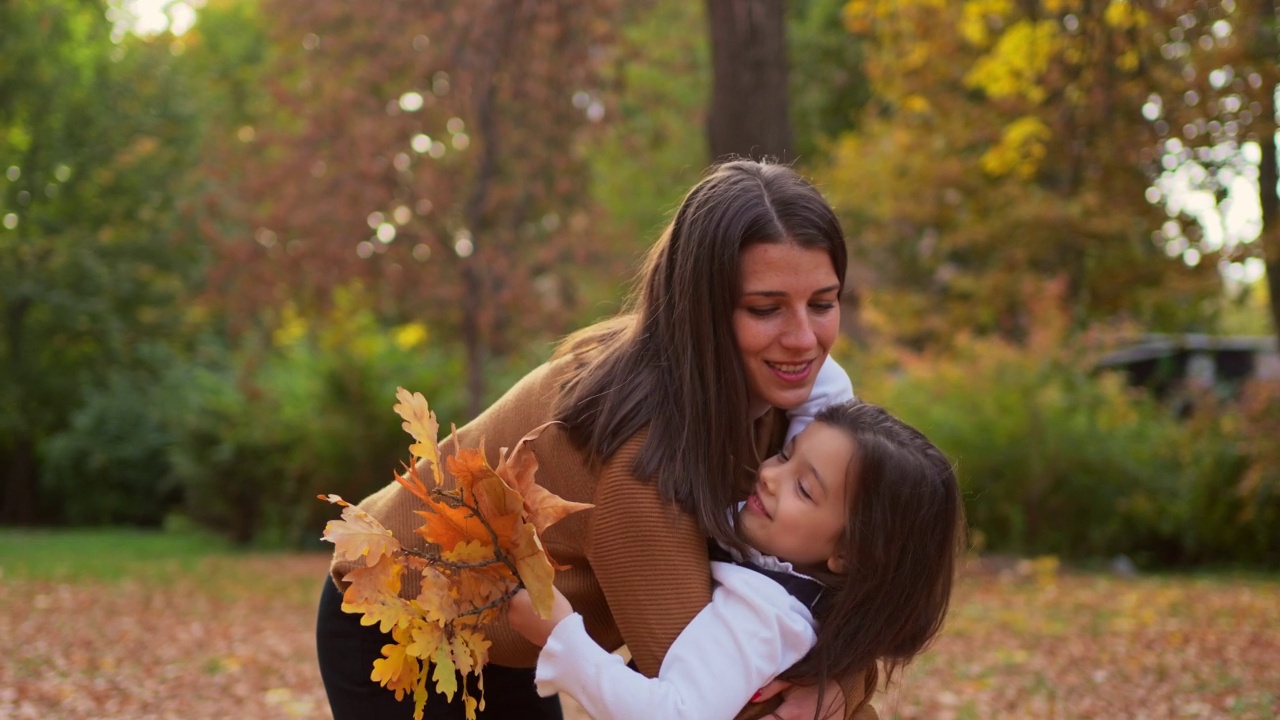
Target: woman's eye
762, 312
822, 307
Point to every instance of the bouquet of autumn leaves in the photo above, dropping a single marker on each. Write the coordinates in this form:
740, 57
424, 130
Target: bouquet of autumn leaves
482, 545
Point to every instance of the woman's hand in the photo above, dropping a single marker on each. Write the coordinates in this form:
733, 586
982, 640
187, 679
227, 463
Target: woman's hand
525, 620
800, 701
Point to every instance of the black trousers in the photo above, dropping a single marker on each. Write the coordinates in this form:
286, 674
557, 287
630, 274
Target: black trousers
347, 650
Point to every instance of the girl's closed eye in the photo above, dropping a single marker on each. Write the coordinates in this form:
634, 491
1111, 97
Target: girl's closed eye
804, 491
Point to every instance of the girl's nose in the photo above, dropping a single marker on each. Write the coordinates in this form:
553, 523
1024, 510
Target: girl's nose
767, 479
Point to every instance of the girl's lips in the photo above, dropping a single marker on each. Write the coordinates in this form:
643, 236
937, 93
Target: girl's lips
756, 506
790, 372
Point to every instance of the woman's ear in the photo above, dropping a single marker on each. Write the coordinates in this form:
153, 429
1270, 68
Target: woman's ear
835, 563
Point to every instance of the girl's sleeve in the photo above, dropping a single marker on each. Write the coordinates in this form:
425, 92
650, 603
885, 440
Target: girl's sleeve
830, 387
751, 631
649, 557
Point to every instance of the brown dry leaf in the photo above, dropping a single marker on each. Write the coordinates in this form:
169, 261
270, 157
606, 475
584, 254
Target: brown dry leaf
518, 469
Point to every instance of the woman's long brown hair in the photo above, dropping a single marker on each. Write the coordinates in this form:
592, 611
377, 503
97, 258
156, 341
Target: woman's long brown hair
670, 362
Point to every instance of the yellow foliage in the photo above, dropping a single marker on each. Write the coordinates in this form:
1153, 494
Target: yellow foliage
410, 335
1020, 150
1122, 15
1020, 57
292, 328
917, 104
977, 14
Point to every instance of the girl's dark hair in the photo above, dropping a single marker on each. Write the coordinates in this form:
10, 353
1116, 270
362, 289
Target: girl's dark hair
901, 547
670, 361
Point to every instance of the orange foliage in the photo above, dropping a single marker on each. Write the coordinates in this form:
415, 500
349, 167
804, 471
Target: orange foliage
483, 546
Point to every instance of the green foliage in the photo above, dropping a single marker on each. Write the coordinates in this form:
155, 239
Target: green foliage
262, 428
653, 146
110, 465
1056, 459
829, 87
96, 139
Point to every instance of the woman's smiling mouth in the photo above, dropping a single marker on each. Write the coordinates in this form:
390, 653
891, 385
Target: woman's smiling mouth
791, 372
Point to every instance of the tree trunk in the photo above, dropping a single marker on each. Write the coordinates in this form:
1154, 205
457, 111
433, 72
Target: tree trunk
1266, 45
749, 109
1270, 236
19, 505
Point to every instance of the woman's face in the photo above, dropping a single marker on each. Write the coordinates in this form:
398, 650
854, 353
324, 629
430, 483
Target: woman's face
785, 321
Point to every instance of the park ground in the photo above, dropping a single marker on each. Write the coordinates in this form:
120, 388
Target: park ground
117, 625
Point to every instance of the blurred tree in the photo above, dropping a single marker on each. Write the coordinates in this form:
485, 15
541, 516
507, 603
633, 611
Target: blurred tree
1217, 123
95, 137
749, 114
652, 146
1008, 140
829, 86
433, 152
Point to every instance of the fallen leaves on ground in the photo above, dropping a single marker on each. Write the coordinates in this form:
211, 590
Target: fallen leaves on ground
1031, 642
233, 637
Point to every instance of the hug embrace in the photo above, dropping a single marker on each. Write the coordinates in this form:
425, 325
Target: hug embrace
753, 521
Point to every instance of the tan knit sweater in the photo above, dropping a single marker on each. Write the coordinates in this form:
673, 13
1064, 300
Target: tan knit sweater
638, 565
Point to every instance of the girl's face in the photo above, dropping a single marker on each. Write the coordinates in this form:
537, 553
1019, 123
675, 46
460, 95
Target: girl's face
785, 321
799, 507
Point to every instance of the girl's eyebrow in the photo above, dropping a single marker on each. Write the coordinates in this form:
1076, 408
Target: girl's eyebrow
795, 441
780, 293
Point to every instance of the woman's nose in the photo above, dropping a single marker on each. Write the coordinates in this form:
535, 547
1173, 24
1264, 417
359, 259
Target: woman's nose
799, 334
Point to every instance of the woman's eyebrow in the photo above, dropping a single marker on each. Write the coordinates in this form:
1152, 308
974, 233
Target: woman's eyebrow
781, 293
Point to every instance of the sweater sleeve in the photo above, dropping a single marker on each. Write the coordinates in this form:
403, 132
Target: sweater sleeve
638, 544
751, 631
830, 387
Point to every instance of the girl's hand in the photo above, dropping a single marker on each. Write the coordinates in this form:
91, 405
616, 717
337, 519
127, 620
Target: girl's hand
524, 619
800, 701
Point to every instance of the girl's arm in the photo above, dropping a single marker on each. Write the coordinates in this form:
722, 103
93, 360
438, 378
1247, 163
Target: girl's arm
830, 387
751, 631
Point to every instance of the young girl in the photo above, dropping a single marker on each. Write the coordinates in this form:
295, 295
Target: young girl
851, 537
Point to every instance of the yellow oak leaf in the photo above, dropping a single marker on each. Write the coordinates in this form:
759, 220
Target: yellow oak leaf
374, 592
425, 640
358, 535
421, 423
480, 586
470, 650
397, 671
445, 675
473, 551
435, 599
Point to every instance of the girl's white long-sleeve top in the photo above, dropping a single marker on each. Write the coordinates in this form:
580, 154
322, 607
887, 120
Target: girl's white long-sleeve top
752, 631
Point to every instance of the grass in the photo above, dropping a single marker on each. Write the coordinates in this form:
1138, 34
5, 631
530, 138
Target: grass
112, 554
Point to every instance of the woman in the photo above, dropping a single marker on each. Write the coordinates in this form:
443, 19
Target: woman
667, 410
